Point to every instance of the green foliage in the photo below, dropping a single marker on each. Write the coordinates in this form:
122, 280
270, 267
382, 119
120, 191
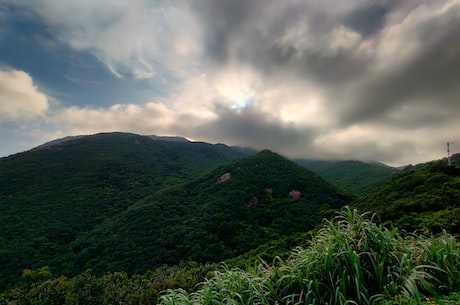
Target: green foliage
110, 288
52, 196
350, 260
30, 277
352, 177
121, 202
426, 199
206, 221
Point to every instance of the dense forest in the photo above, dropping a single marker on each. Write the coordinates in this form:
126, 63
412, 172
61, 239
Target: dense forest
125, 219
52, 195
354, 177
426, 199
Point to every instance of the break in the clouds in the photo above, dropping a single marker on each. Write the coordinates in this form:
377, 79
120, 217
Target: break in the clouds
361, 79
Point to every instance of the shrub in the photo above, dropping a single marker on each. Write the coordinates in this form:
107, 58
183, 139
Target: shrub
350, 260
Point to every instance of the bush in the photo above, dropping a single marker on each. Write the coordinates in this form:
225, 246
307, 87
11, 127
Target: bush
350, 260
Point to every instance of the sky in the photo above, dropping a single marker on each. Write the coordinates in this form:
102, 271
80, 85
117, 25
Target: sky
371, 80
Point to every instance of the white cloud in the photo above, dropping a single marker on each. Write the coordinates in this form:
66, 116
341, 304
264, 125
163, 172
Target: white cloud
144, 119
363, 79
140, 39
20, 98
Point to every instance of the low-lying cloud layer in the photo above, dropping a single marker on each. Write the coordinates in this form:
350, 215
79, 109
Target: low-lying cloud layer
371, 80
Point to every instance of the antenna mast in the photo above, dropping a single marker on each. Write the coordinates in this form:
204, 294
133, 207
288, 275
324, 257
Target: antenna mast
448, 153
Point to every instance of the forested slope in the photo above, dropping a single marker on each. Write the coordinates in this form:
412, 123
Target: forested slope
354, 177
51, 195
235, 208
426, 198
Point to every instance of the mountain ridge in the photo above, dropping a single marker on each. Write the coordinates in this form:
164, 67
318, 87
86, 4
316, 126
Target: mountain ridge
55, 199
352, 176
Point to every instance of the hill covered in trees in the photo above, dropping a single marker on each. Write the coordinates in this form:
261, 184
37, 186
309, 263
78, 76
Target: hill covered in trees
51, 195
225, 213
424, 198
123, 202
121, 218
353, 177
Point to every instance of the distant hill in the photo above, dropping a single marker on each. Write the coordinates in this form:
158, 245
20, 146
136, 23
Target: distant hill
424, 198
233, 209
354, 177
52, 194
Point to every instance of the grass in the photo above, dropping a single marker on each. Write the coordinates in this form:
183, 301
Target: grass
451, 299
351, 260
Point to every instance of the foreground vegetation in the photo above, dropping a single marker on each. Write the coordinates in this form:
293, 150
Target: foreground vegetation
350, 260
426, 199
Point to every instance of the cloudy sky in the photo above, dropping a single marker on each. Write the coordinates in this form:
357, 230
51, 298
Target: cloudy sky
330, 79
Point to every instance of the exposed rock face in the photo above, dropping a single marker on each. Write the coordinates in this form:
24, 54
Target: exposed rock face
294, 195
253, 202
224, 178
269, 192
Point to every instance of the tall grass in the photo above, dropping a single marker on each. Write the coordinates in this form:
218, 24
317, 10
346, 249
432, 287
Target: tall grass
351, 260
443, 252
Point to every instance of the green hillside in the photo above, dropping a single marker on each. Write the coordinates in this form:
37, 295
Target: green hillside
51, 195
353, 177
124, 202
208, 220
120, 218
426, 198
348, 260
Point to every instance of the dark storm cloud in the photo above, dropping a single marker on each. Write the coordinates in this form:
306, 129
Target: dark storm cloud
369, 18
224, 21
429, 80
323, 68
254, 128
257, 33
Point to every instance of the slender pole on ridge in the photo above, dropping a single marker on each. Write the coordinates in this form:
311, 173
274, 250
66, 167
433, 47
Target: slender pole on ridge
448, 153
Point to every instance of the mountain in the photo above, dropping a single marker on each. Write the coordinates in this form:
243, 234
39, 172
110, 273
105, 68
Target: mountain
424, 198
225, 213
160, 209
353, 177
52, 194
118, 201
